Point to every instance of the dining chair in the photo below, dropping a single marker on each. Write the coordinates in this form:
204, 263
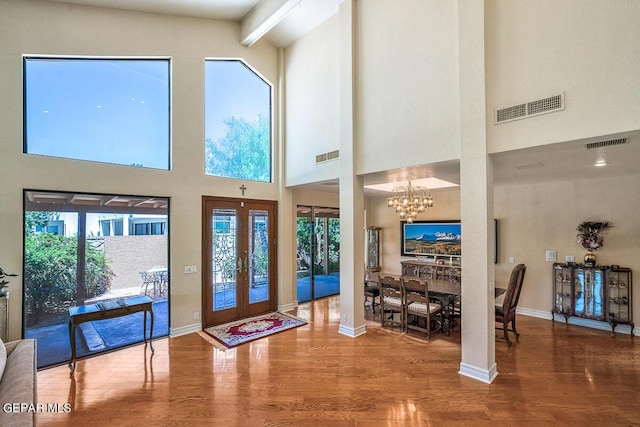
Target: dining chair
506, 313
371, 291
391, 301
419, 306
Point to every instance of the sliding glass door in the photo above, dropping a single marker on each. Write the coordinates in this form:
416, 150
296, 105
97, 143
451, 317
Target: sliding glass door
318, 252
86, 249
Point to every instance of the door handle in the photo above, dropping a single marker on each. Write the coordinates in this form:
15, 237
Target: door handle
239, 265
246, 269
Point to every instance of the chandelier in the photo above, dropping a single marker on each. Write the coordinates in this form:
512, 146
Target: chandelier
409, 201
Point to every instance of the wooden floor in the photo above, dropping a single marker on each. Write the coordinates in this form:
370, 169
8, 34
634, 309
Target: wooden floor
313, 376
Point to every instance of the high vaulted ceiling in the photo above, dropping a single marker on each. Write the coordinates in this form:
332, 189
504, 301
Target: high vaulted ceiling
280, 21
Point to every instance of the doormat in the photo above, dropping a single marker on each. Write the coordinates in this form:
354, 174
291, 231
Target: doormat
241, 331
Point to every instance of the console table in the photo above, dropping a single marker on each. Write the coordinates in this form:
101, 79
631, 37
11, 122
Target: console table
102, 310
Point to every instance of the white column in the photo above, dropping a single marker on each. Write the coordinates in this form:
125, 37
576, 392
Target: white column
476, 199
351, 189
287, 290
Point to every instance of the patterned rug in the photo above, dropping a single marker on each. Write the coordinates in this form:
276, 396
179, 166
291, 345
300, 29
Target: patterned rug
253, 328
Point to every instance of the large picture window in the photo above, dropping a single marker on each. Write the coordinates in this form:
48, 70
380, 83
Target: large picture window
237, 121
83, 250
111, 110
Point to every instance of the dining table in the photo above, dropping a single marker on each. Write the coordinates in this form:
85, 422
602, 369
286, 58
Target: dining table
445, 291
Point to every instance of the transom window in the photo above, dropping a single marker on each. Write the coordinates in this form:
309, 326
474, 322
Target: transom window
237, 121
111, 110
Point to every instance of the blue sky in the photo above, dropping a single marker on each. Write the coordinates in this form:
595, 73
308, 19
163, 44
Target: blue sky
114, 111
118, 110
232, 89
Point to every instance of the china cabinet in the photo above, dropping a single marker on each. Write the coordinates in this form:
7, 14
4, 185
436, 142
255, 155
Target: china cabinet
372, 249
596, 293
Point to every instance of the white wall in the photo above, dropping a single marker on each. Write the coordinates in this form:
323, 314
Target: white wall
538, 217
48, 28
407, 84
312, 104
586, 48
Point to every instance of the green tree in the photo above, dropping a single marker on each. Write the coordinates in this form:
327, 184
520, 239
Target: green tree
51, 263
244, 152
33, 219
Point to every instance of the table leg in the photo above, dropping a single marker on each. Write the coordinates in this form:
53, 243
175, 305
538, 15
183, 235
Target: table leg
144, 332
72, 340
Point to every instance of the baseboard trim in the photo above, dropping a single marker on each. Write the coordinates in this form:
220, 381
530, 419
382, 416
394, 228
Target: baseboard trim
184, 330
484, 375
283, 308
352, 332
578, 321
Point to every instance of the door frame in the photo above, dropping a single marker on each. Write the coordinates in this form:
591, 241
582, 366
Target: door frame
206, 298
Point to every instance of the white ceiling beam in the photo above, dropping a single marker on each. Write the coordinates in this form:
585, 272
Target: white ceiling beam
263, 18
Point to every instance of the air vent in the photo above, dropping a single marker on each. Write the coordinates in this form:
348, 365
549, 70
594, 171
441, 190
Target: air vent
602, 144
511, 113
529, 109
325, 157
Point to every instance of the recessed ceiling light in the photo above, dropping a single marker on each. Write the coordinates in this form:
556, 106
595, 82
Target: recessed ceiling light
430, 183
601, 163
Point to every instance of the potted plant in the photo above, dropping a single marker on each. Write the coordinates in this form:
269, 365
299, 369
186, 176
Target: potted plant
3, 303
3, 283
590, 237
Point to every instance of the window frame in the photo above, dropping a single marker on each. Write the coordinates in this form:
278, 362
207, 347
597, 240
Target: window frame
169, 63
258, 74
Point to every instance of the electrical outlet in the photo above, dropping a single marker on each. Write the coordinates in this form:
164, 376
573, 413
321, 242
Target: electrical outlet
512, 260
189, 269
196, 315
343, 318
569, 258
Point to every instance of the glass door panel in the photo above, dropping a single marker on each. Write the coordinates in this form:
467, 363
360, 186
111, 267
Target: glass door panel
318, 235
258, 256
304, 247
223, 259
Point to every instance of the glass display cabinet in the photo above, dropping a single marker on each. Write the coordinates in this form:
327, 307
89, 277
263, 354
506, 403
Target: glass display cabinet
563, 284
372, 250
596, 293
618, 303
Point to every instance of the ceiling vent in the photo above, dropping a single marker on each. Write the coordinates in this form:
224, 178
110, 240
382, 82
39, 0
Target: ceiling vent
530, 109
603, 144
325, 157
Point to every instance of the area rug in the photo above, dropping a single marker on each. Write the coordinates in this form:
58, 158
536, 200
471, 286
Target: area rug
253, 328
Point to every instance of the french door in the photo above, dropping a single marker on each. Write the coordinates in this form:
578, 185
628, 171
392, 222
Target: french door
239, 249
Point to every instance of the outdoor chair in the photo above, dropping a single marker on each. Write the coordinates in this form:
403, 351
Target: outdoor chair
147, 279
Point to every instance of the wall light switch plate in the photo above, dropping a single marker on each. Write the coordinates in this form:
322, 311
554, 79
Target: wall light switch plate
569, 258
551, 256
188, 269
512, 260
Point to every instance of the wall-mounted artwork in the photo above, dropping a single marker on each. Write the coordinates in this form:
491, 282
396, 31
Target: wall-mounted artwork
428, 238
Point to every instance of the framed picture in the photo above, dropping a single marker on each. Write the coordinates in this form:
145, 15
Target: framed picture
429, 238
437, 238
